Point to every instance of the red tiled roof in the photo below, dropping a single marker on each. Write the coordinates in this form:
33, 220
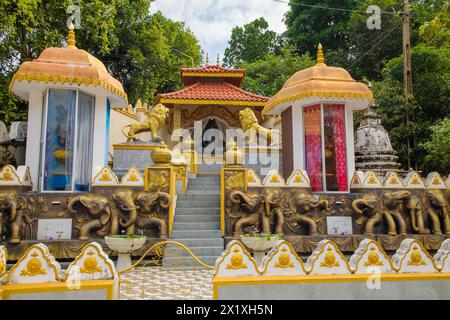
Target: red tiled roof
223, 92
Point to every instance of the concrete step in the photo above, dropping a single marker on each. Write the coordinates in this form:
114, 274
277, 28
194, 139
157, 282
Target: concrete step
203, 196
200, 251
196, 218
196, 226
209, 191
212, 211
202, 242
195, 234
205, 204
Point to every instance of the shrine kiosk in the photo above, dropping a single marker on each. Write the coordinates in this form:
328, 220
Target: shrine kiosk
70, 94
316, 106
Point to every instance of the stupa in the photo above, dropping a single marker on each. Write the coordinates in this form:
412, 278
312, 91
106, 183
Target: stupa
373, 148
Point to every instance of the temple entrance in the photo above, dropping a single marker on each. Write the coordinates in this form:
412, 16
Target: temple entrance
213, 137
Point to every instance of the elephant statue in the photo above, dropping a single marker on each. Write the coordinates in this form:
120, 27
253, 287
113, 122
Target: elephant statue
368, 206
104, 221
124, 200
415, 208
394, 204
301, 205
272, 209
437, 209
12, 216
150, 205
250, 212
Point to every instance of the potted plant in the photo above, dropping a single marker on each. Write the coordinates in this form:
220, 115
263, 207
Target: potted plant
259, 242
124, 245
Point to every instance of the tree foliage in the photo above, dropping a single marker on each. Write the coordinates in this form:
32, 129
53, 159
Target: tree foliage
268, 75
251, 42
438, 146
308, 25
138, 48
431, 88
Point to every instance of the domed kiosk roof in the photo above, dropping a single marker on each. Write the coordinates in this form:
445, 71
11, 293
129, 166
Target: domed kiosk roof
320, 81
68, 66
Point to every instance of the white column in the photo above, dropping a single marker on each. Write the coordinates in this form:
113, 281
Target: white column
100, 147
350, 144
34, 139
298, 137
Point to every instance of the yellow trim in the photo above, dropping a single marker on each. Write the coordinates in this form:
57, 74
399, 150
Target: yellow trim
163, 243
222, 201
25, 256
214, 74
336, 248
318, 94
218, 102
69, 80
228, 252
87, 285
82, 254
382, 252
172, 189
291, 249
329, 278
423, 251
133, 147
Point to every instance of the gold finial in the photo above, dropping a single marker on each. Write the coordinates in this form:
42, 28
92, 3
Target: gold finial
320, 57
207, 59
218, 60
71, 37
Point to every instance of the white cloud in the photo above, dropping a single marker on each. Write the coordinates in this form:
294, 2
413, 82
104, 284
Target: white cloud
212, 20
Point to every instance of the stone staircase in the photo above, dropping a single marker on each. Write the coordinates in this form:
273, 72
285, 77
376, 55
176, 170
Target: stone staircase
196, 225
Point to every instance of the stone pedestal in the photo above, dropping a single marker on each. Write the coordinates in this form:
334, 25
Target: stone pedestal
134, 153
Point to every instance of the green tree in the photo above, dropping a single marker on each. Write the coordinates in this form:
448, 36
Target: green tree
316, 21
251, 42
437, 31
370, 49
438, 147
268, 75
431, 87
137, 48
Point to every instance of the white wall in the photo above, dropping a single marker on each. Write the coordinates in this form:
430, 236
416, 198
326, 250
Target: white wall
98, 158
33, 151
298, 138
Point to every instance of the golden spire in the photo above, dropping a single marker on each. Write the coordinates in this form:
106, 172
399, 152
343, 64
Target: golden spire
320, 57
218, 60
71, 37
207, 59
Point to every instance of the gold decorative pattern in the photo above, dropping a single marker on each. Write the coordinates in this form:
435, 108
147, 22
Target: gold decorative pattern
214, 102
284, 260
34, 267
416, 258
329, 260
236, 261
90, 265
373, 259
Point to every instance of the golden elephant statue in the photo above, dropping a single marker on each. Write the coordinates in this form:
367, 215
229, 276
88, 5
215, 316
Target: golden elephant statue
103, 220
124, 200
12, 216
303, 204
437, 209
157, 117
153, 210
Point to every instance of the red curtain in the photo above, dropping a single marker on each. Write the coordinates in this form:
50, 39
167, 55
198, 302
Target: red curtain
340, 146
313, 146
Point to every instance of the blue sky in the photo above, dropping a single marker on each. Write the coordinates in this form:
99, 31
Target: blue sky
212, 20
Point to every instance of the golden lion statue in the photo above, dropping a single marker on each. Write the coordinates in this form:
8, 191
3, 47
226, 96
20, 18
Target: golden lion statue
252, 128
156, 118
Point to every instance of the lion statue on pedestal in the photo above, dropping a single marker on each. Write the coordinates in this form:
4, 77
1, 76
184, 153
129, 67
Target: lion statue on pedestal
157, 117
252, 128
